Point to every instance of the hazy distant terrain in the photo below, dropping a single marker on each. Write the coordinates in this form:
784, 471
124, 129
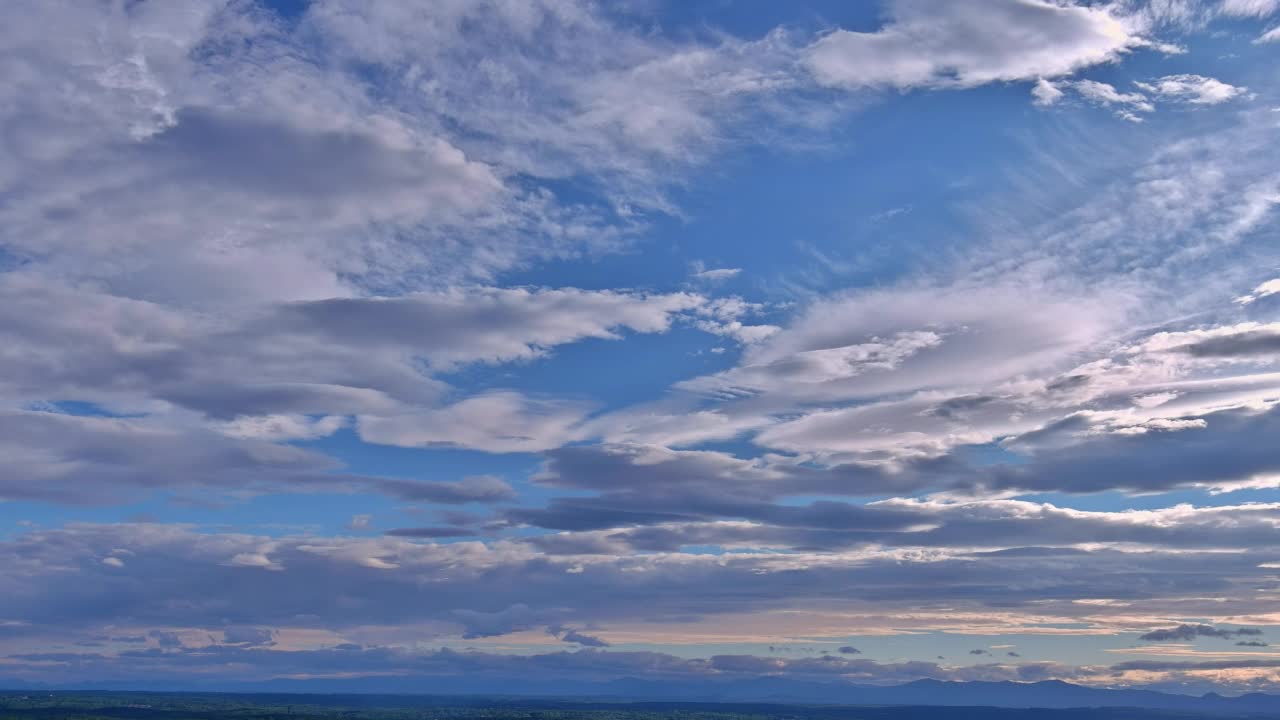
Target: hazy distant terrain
180, 706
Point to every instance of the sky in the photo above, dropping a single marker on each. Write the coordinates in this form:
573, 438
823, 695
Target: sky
846, 342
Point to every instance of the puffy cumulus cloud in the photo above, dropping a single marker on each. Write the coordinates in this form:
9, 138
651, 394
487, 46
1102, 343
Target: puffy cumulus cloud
1195, 89
926, 43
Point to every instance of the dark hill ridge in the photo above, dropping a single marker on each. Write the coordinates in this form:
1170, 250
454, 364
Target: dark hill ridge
470, 692
1045, 694
212, 706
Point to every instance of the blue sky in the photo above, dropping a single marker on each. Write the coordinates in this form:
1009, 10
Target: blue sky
345, 339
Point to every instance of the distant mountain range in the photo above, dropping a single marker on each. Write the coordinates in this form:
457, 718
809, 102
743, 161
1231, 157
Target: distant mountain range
440, 691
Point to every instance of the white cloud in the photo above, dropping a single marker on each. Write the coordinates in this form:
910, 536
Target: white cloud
282, 427
1272, 35
1101, 93
717, 274
1249, 8
723, 316
1195, 89
1266, 289
1046, 93
499, 422
933, 43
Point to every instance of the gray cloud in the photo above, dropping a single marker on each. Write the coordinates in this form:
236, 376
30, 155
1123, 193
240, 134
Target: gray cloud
585, 665
576, 637
249, 636
176, 577
1245, 344
431, 532
1191, 632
